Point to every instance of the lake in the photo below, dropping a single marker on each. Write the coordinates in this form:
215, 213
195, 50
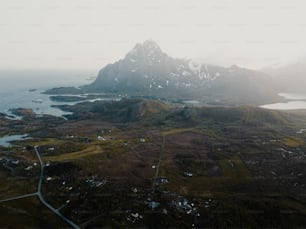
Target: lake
296, 101
6, 140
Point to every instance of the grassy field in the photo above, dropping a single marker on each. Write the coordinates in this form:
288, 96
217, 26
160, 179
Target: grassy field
234, 169
293, 142
45, 141
177, 131
89, 151
14, 186
235, 163
28, 213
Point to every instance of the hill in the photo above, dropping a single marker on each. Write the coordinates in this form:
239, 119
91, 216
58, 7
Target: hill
160, 113
242, 115
125, 110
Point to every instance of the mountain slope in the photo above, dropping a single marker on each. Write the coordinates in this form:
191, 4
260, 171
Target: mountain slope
147, 71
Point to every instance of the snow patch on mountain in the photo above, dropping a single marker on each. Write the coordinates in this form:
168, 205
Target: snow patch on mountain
202, 71
195, 67
185, 73
174, 74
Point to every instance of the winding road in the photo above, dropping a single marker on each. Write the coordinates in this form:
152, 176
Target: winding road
40, 196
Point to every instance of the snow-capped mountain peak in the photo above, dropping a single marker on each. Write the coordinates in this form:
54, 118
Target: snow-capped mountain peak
148, 47
147, 52
147, 70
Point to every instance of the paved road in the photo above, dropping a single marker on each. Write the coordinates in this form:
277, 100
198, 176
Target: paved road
42, 167
19, 197
40, 196
158, 164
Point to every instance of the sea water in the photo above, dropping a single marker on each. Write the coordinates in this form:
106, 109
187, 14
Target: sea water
22, 89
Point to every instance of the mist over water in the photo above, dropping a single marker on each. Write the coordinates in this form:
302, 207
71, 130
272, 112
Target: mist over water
42, 79
18, 89
22, 89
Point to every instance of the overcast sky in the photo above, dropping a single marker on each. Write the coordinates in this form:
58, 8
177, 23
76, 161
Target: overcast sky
74, 34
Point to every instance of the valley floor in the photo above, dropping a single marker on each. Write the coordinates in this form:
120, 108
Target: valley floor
175, 174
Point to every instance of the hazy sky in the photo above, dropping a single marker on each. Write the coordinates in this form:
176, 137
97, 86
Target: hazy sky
75, 34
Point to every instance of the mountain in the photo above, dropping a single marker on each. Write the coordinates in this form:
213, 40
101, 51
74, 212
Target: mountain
290, 77
147, 71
